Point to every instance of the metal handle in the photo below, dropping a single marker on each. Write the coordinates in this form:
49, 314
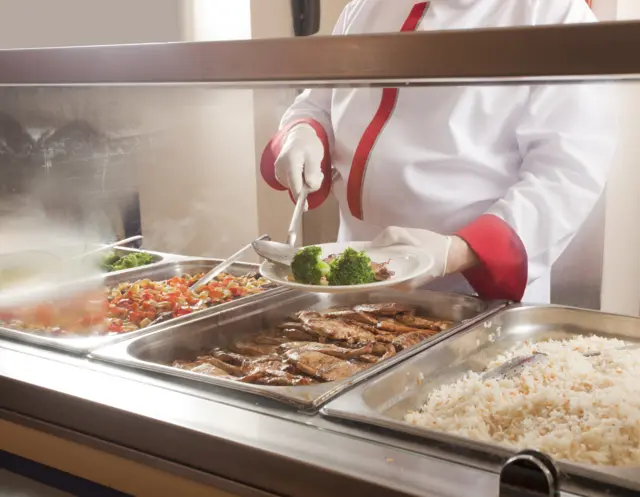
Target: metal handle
223, 265
529, 473
120, 243
292, 234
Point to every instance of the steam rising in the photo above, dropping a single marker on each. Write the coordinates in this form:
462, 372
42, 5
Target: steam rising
42, 259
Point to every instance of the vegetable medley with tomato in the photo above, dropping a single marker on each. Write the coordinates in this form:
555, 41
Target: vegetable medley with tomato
132, 306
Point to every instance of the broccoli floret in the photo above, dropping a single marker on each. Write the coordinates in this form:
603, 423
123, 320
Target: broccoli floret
108, 260
308, 267
351, 268
134, 259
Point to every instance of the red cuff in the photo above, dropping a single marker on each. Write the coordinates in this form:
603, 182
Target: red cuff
272, 150
504, 269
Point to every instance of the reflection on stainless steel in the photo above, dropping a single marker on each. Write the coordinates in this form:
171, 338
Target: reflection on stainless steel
157, 351
83, 345
444, 56
385, 401
288, 453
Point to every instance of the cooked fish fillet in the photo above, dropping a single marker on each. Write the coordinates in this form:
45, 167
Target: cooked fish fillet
423, 323
322, 366
319, 346
201, 368
229, 368
351, 315
340, 331
408, 340
254, 349
391, 326
328, 349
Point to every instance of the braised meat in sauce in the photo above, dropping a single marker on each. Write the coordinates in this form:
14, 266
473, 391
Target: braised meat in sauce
318, 346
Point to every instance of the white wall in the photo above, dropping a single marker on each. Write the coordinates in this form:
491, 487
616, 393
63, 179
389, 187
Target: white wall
605, 10
218, 20
621, 278
39, 23
627, 9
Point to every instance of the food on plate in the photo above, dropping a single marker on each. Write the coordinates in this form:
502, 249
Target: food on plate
131, 306
114, 262
308, 267
348, 268
317, 346
573, 407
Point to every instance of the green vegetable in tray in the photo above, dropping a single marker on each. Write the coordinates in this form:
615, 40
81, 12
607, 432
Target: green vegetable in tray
113, 262
308, 267
110, 259
349, 268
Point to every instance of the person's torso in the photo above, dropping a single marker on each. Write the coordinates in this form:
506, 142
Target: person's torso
445, 154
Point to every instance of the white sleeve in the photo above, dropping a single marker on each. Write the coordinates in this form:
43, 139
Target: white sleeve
567, 138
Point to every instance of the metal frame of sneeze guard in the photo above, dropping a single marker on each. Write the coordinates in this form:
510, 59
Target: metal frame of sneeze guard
578, 52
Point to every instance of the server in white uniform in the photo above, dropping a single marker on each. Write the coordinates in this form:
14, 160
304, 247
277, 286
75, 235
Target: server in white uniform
494, 181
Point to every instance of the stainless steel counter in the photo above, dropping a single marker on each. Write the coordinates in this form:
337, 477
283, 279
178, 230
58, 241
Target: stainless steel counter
232, 440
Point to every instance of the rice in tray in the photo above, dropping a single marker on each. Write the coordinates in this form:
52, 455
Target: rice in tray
577, 408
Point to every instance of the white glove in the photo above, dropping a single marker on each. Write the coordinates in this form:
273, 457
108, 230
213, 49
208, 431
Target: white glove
300, 160
436, 245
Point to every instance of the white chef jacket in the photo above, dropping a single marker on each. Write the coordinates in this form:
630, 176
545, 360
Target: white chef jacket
513, 170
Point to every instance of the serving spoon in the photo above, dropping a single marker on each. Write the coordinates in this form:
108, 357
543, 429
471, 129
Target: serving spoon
514, 367
224, 265
207, 278
283, 253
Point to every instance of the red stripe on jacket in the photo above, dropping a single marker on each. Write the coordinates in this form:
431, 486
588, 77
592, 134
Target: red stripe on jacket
315, 199
355, 184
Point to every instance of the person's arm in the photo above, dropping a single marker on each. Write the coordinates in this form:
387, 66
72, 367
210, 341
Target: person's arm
312, 107
567, 139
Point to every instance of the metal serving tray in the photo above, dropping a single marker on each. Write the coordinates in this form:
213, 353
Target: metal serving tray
84, 345
158, 258
384, 401
156, 352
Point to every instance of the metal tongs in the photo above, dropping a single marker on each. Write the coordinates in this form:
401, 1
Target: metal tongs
119, 243
211, 275
220, 268
515, 367
283, 253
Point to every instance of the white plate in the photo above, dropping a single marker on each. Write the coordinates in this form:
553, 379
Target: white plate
405, 261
